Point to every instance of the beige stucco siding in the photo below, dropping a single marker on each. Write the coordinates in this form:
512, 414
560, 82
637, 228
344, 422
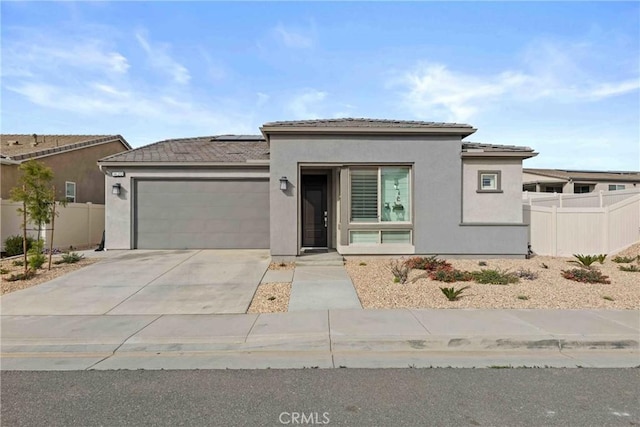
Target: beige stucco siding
79, 166
499, 207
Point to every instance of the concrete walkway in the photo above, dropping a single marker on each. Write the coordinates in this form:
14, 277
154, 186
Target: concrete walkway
322, 288
351, 338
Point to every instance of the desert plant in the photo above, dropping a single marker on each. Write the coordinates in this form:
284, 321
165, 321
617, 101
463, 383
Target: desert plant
631, 268
526, 274
21, 276
608, 298
585, 275
545, 266
18, 263
482, 263
452, 293
71, 258
450, 275
13, 245
494, 277
523, 297
623, 259
362, 264
400, 270
36, 257
430, 263
4, 271
585, 261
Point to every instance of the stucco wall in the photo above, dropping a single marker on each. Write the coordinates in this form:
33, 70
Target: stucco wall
79, 166
119, 209
437, 191
504, 207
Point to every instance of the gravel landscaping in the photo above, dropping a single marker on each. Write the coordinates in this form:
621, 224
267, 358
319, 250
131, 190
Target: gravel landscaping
271, 298
376, 289
43, 275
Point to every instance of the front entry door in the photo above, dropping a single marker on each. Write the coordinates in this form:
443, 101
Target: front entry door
314, 211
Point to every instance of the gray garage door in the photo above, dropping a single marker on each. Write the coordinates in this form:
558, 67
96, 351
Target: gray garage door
197, 214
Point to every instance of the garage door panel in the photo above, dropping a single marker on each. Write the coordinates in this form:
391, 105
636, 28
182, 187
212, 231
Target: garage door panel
202, 214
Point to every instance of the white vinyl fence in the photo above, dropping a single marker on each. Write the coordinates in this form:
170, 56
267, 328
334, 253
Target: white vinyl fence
583, 223
77, 225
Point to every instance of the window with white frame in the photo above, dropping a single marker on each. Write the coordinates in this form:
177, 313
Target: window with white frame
70, 191
380, 195
489, 182
614, 187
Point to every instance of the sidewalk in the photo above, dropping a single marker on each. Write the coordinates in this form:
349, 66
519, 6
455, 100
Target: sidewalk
352, 338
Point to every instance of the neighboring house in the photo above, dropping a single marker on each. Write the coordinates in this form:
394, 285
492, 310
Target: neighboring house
359, 186
572, 181
73, 159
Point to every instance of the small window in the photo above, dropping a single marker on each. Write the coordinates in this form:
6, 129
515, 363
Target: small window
614, 187
489, 182
364, 237
70, 189
582, 188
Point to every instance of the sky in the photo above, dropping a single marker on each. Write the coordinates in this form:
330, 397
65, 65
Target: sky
560, 77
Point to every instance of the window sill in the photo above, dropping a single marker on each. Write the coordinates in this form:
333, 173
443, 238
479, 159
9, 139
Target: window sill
489, 191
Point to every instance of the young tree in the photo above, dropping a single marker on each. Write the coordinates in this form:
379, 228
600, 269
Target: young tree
36, 193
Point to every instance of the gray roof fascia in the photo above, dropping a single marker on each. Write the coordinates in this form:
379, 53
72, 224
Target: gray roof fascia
463, 131
180, 164
517, 154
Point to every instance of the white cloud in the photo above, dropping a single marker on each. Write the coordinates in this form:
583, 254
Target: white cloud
432, 90
263, 98
160, 59
293, 38
305, 104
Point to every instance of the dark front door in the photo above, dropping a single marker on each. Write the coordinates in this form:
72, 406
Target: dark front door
314, 211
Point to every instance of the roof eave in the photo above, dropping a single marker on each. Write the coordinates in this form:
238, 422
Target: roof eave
513, 154
324, 130
180, 164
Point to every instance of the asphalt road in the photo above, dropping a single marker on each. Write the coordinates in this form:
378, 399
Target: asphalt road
385, 397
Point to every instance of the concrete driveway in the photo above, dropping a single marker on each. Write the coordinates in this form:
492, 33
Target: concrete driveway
149, 282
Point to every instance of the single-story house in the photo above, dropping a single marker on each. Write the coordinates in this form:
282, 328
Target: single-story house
71, 157
359, 186
576, 181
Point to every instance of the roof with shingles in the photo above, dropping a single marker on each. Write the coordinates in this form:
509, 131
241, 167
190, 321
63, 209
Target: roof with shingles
21, 146
466, 146
214, 149
365, 123
577, 175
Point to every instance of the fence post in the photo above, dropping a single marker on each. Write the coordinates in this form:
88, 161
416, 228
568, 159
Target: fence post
600, 196
560, 199
605, 230
554, 230
88, 223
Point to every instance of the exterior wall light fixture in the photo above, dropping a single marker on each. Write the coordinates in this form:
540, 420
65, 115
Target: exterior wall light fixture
116, 189
284, 183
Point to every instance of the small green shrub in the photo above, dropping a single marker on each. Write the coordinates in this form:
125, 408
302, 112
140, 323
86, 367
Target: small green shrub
526, 274
584, 275
362, 264
36, 257
430, 263
271, 298
451, 275
3, 271
400, 271
585, 261
608, 298
71, 258
452, 293
21, 276
631, 268
13, 245
523, 297
17, 263
494, 277
623, 259
482, 263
